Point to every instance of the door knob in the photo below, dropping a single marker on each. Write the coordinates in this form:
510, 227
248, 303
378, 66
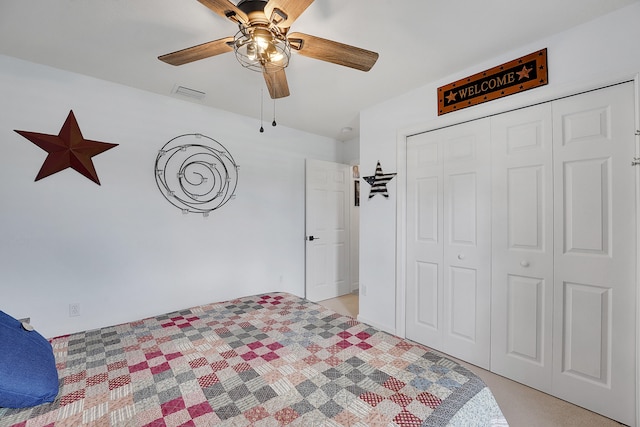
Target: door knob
524, 263
312, 238
460, 257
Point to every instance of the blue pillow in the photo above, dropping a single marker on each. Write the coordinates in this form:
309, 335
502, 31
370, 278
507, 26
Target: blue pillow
28, 375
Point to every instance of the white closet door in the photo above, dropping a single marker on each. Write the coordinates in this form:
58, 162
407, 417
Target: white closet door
424, 313
595, 251
449, 241
522, 265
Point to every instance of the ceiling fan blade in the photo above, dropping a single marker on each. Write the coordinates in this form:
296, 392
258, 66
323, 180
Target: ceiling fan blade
330, 51
287, 11
226, 9
201, 51
276, 83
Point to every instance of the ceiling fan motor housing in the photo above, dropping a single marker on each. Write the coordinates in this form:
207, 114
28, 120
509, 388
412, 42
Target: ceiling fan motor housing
248, 6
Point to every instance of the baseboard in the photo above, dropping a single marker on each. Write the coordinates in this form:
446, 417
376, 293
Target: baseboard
376, 325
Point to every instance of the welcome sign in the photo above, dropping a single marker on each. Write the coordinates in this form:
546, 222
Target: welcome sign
512, 77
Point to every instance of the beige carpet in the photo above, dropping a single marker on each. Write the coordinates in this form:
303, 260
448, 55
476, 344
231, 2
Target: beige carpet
522, 406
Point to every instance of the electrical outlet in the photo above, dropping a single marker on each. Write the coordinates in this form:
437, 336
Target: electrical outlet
74, 309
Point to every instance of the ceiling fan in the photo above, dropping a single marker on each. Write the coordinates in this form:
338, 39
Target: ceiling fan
263, 42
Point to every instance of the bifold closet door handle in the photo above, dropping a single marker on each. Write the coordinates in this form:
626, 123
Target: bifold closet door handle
460, 257
524, 264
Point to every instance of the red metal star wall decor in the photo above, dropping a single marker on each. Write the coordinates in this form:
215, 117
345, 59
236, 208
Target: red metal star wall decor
68, 149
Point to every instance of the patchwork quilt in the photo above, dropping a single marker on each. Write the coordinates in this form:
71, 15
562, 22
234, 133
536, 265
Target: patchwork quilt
266, 360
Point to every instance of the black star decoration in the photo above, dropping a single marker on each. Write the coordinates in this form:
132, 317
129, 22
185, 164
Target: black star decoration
68, 149
378, 182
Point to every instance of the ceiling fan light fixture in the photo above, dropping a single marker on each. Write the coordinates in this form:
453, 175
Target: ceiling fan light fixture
251, 51
258, 49
262, 38
276, 56
264, 43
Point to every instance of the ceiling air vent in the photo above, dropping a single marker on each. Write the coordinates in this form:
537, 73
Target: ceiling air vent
189, 93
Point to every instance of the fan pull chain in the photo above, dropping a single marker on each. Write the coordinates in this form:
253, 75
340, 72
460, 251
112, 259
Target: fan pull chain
273, 123
261, 99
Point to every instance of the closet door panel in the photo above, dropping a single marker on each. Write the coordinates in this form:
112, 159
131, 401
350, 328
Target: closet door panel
427, 292
595, 251
467, 241
525, 219
525, 317
462, 295
424, 318
462, 200
588, 310
587, 199
522, 246
449, 241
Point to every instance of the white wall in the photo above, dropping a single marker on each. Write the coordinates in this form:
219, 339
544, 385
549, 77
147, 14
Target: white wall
121, 250
601, 51
350, 152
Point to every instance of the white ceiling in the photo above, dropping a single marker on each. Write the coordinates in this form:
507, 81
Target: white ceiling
419, 41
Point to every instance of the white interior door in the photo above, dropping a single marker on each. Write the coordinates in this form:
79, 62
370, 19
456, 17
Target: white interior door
327, 230
595, 251
449, 241
522, 246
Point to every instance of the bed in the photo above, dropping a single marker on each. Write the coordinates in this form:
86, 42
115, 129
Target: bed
267, 360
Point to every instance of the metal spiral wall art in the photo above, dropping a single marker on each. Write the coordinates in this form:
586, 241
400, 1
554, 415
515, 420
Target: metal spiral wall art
196, 173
